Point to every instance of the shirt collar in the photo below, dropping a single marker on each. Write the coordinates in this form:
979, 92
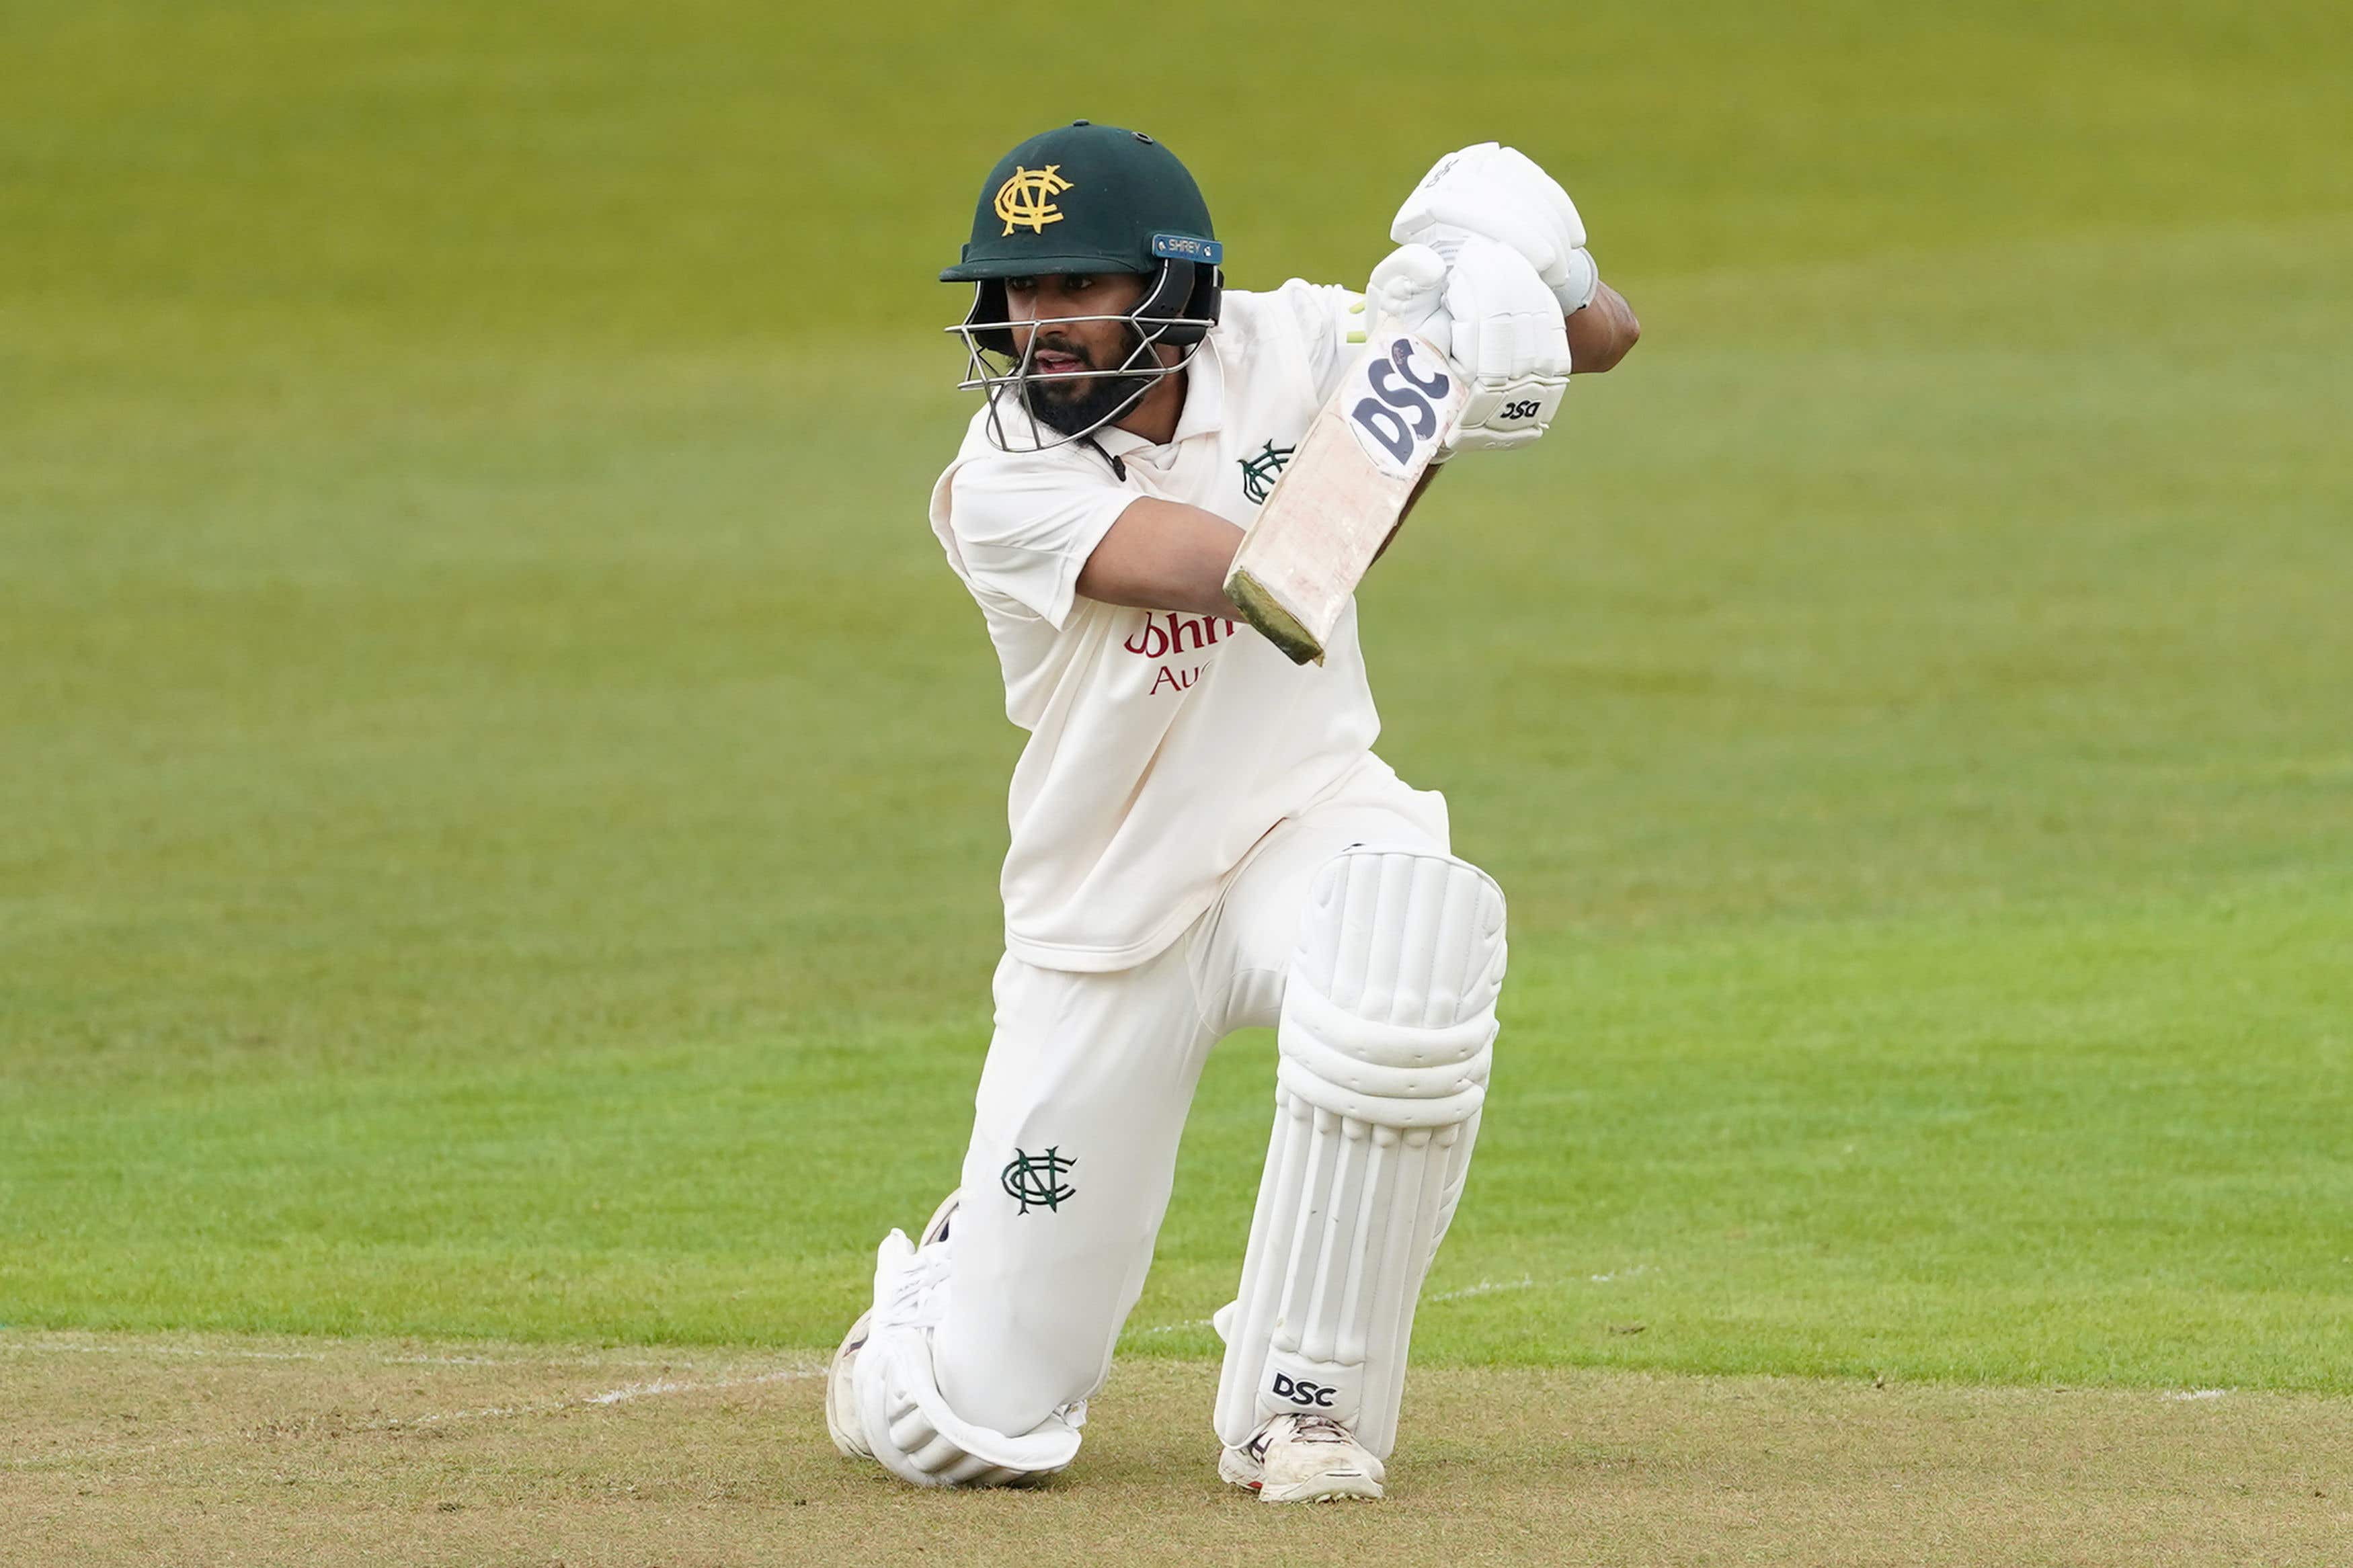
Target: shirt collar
1204, 413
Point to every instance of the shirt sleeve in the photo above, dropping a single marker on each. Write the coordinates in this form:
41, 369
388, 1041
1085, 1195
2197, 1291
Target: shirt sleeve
1332, 324
1024, 529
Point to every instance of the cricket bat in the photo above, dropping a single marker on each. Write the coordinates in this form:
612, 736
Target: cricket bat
1340, 496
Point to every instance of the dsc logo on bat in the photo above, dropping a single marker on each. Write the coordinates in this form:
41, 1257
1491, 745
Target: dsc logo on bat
1401, 415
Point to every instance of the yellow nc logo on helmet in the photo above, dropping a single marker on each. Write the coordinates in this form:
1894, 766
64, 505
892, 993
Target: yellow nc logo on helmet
1027, 199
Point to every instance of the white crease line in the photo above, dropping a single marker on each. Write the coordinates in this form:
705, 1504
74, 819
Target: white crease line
1634, 1273
1483, 1288
639, 1390
433, 1418
518, 1361
621, 1395
60, 1347
1180, 1328
2197, 1394
487, 1413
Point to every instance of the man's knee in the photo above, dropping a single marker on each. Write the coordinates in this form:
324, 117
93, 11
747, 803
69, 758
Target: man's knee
1402, 937
909, 1423
1025, 1373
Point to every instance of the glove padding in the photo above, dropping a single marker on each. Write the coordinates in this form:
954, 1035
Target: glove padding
1498, 193
1507, 338
1408, 291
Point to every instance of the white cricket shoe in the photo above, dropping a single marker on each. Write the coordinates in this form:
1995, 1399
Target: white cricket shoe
935, 1230
842, 1422
1303, 1458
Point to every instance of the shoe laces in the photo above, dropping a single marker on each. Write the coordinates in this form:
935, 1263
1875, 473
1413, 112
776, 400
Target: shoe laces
1317, 1429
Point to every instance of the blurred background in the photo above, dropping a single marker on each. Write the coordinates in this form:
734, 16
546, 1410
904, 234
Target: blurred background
500, 796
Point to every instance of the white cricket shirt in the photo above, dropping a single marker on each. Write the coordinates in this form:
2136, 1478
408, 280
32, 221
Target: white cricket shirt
1162, 745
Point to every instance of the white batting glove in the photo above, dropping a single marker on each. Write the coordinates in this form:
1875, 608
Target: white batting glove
1407, 291
1508, 340
1498, 193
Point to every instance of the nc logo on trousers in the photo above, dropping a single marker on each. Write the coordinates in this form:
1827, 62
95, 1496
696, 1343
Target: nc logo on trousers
1035, 1181
1303, 1393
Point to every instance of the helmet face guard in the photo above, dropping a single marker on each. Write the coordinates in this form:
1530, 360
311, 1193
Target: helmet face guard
1178, 308
1098, 200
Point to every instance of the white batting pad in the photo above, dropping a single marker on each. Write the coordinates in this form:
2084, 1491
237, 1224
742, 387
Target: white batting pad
905, 1418
1386, 1039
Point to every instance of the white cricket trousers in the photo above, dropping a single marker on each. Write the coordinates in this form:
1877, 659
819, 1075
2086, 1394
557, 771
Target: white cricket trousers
1081, 1102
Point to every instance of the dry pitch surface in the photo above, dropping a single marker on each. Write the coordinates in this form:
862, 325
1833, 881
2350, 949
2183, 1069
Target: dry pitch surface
118, 1449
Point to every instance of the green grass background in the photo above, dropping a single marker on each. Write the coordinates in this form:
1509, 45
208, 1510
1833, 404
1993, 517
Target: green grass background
500, 796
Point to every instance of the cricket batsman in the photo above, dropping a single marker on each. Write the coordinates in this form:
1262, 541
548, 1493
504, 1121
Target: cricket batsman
1202, 838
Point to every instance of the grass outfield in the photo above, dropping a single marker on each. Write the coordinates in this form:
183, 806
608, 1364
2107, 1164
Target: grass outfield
500, 797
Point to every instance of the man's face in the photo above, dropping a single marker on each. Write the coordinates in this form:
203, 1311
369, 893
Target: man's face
1067, 387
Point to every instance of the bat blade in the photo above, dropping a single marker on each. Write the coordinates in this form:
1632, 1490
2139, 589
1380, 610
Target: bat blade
1342, 492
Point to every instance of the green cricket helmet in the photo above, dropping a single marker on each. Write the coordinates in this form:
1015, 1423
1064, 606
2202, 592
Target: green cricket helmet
1093, 199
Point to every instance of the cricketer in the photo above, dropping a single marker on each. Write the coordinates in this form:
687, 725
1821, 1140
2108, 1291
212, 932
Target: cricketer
1202, 840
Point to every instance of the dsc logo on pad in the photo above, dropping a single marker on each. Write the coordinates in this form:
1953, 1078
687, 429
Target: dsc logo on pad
1301, 1393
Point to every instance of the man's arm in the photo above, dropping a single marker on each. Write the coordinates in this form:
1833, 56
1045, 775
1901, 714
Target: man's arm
1598, 337
1163, 555
1601, 334
1428, 477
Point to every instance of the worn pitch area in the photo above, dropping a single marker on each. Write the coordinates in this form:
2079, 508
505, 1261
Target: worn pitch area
120, 1449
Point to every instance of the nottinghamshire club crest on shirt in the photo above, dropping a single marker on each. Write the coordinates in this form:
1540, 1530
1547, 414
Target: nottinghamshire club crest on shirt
1261, 471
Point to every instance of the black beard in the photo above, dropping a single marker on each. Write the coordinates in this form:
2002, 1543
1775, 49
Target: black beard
1100, 398
1075, 405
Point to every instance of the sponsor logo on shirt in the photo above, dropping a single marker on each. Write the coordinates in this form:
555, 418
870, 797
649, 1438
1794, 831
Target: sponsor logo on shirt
1163, 638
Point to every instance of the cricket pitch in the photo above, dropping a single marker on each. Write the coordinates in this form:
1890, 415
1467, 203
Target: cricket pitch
143, 1449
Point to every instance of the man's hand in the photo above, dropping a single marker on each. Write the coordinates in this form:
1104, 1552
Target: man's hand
1488, 312
1509, 340
1498, 193
1408, 291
